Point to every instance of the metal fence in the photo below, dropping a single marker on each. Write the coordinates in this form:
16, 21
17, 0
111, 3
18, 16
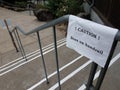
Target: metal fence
89, 85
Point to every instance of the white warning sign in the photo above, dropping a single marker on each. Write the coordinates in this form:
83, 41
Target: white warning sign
90, 39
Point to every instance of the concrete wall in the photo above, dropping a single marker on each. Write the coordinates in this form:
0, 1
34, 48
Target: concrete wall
93, 14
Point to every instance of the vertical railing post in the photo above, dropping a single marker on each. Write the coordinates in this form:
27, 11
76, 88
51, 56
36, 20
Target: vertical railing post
56, 56
43, 61
104, 70
89, 85
30, 9
20, 44
13, 41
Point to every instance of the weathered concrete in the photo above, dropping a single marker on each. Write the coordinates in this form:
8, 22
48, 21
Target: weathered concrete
32, 72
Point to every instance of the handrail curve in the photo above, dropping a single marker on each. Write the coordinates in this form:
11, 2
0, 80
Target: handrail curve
64, 18
49, 24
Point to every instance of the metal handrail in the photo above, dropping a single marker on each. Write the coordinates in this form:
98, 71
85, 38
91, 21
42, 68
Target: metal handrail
36, 30
94, 65
49, 24
118, 36
64, 18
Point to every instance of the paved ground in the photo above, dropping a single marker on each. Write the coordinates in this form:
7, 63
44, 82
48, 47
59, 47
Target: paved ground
19, 74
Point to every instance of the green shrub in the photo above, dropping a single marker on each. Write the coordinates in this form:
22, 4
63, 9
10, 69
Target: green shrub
21, 4
62, 7
13, 1
40, 6
53, 6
